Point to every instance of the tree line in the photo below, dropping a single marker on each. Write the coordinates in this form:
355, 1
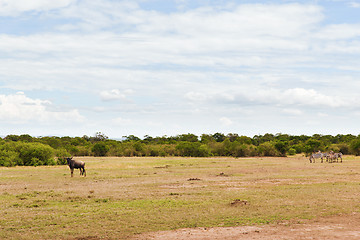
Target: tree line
25, 150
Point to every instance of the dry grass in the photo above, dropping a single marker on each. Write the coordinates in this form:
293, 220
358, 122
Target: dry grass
122, 197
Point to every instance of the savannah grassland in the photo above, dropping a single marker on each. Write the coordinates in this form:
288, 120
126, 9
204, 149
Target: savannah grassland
123, 197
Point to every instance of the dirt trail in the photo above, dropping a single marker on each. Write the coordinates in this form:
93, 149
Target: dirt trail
337, 227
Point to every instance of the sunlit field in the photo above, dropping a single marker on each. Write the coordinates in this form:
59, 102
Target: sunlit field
123, 197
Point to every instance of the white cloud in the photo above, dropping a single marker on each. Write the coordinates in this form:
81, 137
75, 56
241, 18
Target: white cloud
311, 97
293, 111
121, 121
323, 115
299, 96
243, 20
224, 60
195, 96
289, 100
339, 31
248, 36
354, 4
115, 94
16, 7
93, 15
226, 121
20, 108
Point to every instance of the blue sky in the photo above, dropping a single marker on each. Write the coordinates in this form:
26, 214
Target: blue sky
152, 67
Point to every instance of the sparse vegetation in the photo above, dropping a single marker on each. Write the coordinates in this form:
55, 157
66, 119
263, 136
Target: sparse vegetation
13, 147
122, 197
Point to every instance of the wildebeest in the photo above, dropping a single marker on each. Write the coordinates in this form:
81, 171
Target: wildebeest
316, 155
76, 164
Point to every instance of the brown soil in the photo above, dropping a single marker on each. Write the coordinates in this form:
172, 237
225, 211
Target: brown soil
336, 227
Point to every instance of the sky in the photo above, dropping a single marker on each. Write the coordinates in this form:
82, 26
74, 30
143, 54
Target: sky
170, 67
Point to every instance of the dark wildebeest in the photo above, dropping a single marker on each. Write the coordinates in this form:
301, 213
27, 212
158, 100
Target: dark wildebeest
76, 164
316, 155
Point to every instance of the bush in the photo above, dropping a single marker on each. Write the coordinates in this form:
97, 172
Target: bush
36, 153
281, 147
292, 151
267, 149
83, 151
24, 153
100, 149
35, 162
344, 148
27, 150
8, 158
192, 149
217, 148
299, 148
312, 145
242, 150
355, 147
61, 155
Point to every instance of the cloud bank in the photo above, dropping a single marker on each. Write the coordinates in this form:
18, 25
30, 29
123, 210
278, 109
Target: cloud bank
228, 65
19, 108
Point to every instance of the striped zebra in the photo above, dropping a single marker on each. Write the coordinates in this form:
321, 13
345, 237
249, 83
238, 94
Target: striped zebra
316, 155
327, 156
335, 156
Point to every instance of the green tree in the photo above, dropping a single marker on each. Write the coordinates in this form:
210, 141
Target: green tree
267, 149
244, 140
232, 137
61, 155
344, 148
8, 158
34, 154
25, 138
100, 149
188, 137
206, 138
282, 147
12, 137
54, 142
312, 145
355, 147
99, 136
192, 149
291, 151
219, 137
130, 138
241, 150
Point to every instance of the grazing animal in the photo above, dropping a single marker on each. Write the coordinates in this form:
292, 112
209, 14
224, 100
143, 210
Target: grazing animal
316, 155
335, 156
76, 164
327, 156
331, 156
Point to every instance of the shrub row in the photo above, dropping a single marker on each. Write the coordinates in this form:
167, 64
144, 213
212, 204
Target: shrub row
26, 154
33, 151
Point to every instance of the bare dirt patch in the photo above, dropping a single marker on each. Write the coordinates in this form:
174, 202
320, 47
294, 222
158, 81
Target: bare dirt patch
335, 227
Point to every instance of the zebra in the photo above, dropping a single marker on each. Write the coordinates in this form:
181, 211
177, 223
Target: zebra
316, 155
335, 156
327, 156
